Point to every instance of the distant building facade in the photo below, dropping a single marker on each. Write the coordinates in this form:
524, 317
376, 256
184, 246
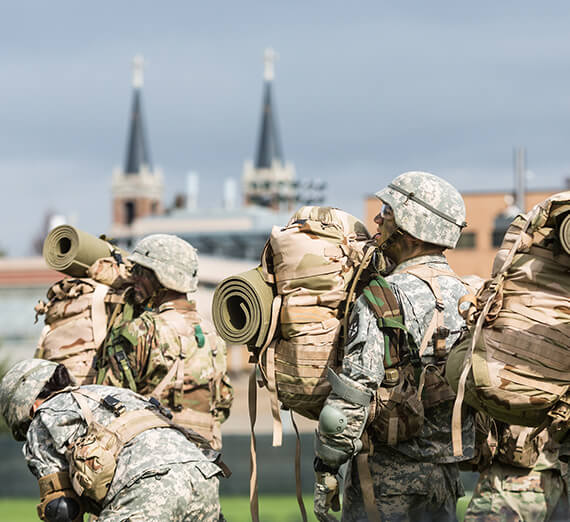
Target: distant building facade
137, 187
269, 181
269, 187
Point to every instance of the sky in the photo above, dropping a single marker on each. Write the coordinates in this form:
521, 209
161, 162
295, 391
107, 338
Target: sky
363, 90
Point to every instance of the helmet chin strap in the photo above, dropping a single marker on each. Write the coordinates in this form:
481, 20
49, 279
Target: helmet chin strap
389, 241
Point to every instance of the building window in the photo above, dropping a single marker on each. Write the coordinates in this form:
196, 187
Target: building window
467, 240
129, 212
502, 222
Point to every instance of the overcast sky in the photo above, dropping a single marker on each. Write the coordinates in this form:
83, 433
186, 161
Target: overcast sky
364, 91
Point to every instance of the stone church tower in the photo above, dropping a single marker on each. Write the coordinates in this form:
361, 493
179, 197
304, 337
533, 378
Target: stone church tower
137, 188
269, 181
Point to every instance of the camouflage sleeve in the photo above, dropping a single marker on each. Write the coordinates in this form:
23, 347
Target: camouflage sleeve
139, 337
40, 452
362, 370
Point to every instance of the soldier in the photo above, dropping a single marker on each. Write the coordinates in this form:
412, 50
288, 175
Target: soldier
523, 481
105, 450
170, 352
412, 477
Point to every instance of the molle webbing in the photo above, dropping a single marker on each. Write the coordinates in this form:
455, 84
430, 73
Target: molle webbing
385, 306
129, 424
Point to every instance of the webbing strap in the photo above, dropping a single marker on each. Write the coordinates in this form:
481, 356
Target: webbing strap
158, 391
99, 314
468, 360
269, 348
132, 423
79, 397
532, 383
252, 407
366, 484
364, 264
295, 273
58, 481
272, 389
347, 392
298, 484
267, 276
429, 276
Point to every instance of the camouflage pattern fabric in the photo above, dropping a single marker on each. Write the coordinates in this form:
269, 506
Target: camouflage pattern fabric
20, 387
420, 201
173, 261
404, 488
148, 459
506, 493
363, 367
191, 497
152, 344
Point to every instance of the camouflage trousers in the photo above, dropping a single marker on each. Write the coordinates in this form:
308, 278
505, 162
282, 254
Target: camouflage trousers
180, 492
506, 493
404, 489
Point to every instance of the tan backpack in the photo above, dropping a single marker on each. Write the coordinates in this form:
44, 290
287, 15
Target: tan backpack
311, 263
515, 364
78, 315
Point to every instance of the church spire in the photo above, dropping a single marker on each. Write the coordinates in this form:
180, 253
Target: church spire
138, 153
269, 144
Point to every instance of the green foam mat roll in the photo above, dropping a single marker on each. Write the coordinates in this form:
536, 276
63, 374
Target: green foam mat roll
72, 251
241, 308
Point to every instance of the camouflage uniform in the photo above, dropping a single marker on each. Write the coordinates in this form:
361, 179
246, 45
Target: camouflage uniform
506, 492
160, 474
144, 350
155, 340
416, 479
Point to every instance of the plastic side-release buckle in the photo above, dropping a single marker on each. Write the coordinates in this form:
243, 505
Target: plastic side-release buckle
113, 404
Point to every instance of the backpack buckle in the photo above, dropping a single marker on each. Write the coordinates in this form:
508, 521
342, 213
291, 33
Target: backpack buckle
114, 405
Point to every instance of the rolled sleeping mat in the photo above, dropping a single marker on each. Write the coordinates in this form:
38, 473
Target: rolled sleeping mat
72, 251
564, 233
241, 308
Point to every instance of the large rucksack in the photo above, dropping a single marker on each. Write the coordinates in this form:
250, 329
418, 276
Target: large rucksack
311, 262
79, 313
515, 365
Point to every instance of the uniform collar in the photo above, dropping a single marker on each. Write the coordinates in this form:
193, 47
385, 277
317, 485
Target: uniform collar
421, 260
181, 304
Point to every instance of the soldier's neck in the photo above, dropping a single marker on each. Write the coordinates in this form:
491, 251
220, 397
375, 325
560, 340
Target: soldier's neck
167, 295
408, 248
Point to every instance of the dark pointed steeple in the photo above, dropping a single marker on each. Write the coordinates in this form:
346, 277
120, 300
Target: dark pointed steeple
138, 152
269, 144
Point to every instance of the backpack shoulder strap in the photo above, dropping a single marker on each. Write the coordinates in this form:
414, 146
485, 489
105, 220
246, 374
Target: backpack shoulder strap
436, 329
385, 307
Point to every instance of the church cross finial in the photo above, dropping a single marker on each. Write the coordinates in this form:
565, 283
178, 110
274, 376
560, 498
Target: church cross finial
138, 67
269, 58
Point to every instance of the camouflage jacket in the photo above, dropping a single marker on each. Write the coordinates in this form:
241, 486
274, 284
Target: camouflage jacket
155, 341
59, 422
363, 365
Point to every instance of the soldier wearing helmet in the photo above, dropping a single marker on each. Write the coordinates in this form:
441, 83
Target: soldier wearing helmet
389, 412
169, 351
76, 446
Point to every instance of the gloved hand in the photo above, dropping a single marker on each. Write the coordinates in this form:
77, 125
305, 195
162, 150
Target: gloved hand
326, 496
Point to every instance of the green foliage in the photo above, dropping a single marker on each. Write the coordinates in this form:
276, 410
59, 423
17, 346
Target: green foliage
272, 508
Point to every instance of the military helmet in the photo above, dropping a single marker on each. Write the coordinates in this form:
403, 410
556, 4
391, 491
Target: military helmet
19, 390
173, 261
426, 207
